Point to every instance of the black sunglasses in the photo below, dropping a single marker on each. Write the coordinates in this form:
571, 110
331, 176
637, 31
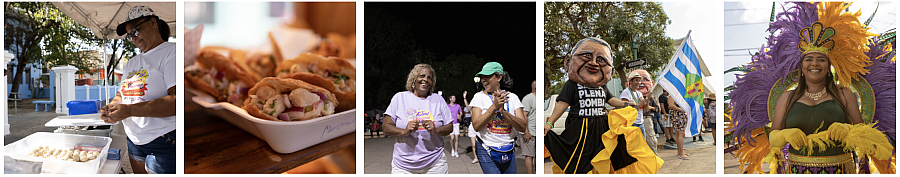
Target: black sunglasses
134, 32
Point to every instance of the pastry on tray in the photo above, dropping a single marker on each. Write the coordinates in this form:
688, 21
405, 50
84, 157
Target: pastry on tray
285, 99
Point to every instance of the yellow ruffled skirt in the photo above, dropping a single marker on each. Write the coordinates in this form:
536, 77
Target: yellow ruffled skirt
621, 137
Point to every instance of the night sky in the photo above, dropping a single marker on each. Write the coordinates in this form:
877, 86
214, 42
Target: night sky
499, 32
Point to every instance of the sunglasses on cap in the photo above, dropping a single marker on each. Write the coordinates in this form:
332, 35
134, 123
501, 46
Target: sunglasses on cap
134, 32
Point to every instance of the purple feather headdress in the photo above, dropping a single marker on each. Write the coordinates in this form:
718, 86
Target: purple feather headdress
776, 59
883, 80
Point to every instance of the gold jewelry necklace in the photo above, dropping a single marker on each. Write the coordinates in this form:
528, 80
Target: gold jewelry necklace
817, 95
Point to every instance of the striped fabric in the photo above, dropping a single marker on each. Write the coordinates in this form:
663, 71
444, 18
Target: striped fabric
683, 79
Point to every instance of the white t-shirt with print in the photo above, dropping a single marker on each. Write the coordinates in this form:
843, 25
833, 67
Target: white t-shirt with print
148, 76
632, 97
497, 132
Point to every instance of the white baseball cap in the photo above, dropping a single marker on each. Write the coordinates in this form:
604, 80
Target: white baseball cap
136, 12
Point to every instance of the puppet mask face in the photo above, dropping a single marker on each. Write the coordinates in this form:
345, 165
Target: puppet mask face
589, 66
645, 83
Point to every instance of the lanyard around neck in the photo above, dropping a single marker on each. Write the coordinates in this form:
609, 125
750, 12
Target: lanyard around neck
634, 98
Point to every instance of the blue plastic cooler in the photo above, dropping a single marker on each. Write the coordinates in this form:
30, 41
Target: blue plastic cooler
78, 107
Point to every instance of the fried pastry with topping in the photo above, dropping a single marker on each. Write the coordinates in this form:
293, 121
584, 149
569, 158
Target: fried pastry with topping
339, 73
285, 99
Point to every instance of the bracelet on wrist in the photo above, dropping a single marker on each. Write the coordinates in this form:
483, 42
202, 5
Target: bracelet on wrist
551, 125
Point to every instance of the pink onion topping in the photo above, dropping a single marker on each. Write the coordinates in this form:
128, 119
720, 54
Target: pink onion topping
235, 98
322, 99
220, 75
321, 95
284, 117
294, 109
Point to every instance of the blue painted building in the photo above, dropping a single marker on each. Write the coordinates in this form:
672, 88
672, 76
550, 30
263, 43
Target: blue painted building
28, 86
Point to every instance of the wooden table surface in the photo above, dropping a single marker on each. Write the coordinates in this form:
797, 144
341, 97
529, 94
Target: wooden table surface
213, 145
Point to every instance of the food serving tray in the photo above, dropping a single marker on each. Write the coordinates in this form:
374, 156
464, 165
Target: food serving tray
21, 148
76, 120
283, 137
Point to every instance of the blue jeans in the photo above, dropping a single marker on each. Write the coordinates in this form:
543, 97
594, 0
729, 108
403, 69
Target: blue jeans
158, 155
488, 166
657, 124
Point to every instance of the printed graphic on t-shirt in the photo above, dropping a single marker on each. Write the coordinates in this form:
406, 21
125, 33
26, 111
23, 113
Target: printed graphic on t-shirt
135, 84
499, 126
419, 116
591, 101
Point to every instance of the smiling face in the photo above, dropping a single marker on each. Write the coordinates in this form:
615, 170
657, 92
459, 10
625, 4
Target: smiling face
147, 33
490, 82
452, 98
815, 67
587, 65
424, 81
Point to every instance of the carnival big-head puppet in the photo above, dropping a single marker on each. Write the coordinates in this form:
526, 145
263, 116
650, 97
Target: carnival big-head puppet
590, 62
640, 81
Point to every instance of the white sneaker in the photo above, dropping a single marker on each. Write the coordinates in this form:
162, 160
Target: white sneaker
474, 160
453, 153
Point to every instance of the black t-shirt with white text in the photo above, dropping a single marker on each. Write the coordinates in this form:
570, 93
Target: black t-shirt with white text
584, 101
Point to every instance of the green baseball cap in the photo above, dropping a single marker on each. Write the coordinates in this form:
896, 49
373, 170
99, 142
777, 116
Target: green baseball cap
490, 68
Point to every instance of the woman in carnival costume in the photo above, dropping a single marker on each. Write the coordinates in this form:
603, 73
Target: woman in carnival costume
829, 93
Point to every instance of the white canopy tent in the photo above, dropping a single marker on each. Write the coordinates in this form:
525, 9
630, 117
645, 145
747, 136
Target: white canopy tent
103, 17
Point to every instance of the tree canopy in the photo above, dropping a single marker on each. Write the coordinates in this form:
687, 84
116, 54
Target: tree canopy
565, 23
38, 33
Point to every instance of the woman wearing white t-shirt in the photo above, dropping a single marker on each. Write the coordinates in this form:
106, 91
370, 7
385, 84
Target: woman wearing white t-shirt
495, 113
146, 102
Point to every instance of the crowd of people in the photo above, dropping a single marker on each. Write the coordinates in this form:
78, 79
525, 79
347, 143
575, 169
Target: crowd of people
633, 123
498, 121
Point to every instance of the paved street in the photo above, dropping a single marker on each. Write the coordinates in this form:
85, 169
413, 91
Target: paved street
702, 159
26, 123
378, 151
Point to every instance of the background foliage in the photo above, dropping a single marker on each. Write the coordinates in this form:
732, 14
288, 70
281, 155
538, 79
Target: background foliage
565, 23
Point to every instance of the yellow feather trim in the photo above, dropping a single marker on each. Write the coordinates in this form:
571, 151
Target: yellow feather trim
774, 159
753, 155
885, 166
861, 138
866, 139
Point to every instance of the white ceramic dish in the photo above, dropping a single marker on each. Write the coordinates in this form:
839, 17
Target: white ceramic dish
21, 148
283, 137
